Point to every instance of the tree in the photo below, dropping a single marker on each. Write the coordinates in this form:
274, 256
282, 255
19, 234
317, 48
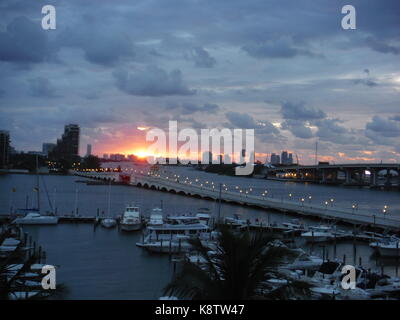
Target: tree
237, 269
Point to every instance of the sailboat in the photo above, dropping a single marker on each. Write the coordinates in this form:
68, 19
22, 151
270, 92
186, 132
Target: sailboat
109, 222
33, 216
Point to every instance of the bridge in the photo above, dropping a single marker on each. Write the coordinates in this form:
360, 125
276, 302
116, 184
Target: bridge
374, 175
186, 187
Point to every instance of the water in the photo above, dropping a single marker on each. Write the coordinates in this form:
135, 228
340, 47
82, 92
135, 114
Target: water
106, 264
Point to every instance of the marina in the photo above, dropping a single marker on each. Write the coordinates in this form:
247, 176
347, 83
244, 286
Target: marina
87, 240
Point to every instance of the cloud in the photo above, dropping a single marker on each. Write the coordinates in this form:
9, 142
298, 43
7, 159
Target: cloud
245, 121
381, 46
153, 82
100, 45
298, 111
298, 128
202, 58
281, 48
42, 87
24, 42
384, 127
189, 108
366, 82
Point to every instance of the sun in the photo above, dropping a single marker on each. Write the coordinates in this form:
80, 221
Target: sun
141, 154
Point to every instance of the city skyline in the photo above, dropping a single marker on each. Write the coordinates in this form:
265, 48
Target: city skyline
293, 75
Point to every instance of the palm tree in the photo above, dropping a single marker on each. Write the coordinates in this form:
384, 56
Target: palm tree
236, 269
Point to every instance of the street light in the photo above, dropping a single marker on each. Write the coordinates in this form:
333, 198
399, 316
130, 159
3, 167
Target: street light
326, 204
302, 202
353, 207
309, 198
332, 202
290, 196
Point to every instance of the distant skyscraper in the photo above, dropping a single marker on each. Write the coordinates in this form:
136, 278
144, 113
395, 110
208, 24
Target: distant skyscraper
105, 156
275, 159
227, 159
68, 146
242, 156
207, 157
284, 157
47, 148
4, 148
220, 158
88, 150
290, 159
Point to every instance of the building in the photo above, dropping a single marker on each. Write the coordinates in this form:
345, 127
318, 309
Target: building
207, 157
117, 157
284, 157
88, 150
275, 159
4, 148
67, 147
47, 148
227, 159
290, 159
105, 156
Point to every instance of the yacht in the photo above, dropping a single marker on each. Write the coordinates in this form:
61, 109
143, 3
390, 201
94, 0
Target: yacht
36, 218
131, 219
156, 217
387, 247
204, 215
108, 223
318, 234
173, 236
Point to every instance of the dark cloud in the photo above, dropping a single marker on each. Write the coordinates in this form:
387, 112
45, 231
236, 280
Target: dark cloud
299, 111
245, 121
24, 42
384, 127
152, 81
189, 108
42, 87
201, 58
298, 128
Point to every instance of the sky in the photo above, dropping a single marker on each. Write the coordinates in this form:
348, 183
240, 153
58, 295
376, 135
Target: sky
285, 68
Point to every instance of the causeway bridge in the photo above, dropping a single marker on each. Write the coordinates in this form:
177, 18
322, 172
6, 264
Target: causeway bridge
153, 181
374, 175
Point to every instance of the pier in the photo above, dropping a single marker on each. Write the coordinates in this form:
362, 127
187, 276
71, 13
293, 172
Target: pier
327, 211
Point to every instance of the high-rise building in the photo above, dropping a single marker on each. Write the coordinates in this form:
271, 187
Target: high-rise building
88, 150
4, 148
47, 148
68, 145
275, 159
207, 157
105, 156
284, 157
290, 159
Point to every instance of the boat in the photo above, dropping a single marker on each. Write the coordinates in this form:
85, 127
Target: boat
303, 261
387, 247
35, 218
318, 234
235, 221
204, 215
156, 217
8, 246
173, 236
131, 219
108, 223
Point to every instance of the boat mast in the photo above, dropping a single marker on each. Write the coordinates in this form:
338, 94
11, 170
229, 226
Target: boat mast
109, 199
37, 183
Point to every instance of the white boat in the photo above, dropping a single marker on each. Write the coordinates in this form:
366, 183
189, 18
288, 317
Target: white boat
304, 261
108, 223
204, 215
35, 218
172, 237
131, 219
387, 248
156, 217
318, 234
